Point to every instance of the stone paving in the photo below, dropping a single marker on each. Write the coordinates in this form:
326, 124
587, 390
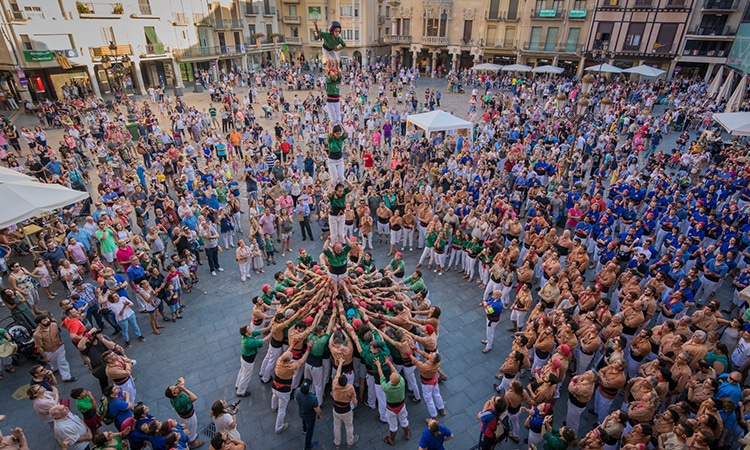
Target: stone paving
204, 348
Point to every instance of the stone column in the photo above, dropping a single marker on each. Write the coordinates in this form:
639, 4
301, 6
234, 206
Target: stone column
581, 63
414, 54
455, 61
138, 86
92, 77
434, 63
555, 60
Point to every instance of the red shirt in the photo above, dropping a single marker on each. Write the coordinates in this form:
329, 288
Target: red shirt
369, 161
74, 326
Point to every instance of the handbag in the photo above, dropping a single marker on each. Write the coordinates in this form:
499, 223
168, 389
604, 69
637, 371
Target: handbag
8, 349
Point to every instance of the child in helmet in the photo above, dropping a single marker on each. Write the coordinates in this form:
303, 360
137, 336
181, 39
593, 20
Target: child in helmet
332, 42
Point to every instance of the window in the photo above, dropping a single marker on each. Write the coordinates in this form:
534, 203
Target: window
573, 35
643, 2
26, 42
443, 22
540, 5
108, 34
203, 36
295, 32
251, 29
292, 10
536, 38
513, 9
468, 25
676, 3
603, 35
145, 7
432, 27
633, 37
356, 35
345, 11
356, 10
580, 4
313, 36
510, 36
551, 43
269, 30
405, 27
665, 38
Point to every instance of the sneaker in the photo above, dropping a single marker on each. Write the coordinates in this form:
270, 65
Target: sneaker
213, 273
313, 444
356, 439
220, 269
71, 380
196, 443
286, 425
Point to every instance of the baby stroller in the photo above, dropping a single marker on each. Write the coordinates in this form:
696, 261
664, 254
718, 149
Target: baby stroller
22, 337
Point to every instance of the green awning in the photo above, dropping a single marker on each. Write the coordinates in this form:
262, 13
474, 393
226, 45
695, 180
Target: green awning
151, 35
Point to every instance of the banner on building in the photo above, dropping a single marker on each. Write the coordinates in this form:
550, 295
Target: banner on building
38, 55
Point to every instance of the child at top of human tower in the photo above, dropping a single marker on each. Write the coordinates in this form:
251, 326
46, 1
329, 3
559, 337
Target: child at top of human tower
332, 42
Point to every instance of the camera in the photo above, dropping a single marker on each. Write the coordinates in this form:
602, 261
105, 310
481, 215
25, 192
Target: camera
232, 407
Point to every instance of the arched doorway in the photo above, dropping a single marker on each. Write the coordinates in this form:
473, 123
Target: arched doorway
357, 56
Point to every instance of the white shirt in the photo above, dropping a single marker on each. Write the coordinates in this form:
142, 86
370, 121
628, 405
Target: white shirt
120, 307
741, 355
72, 427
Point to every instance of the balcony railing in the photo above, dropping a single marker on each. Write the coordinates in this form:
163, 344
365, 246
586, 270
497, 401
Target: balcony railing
293, 40
720, 5
194, 52
294, 20
180, 18
435, 40
227, 24
502, 16
381, 19
269, 11
543, 47
156, 49
709, 53
91, 9
396, 39
500, 43
547, 13
711, 31
290, 1
26, 15
251, 10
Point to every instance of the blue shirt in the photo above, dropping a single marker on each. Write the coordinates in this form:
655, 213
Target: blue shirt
119, 410
431, 442
729, 390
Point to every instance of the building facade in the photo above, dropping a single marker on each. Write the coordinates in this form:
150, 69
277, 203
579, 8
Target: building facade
363, 25
131, 44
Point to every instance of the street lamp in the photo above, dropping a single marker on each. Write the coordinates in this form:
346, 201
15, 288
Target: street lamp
119, 65
586, 83
583, 105
561, 98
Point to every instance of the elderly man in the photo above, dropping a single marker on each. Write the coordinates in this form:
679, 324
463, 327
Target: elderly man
70, 431
48, 342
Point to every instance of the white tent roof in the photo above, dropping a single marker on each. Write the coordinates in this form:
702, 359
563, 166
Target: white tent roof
737, 123
607, 68
726, 88
713, 88
487, 66
438, 120
516, 68
26, 199
547, 69
735, 101
11, 175
646, 71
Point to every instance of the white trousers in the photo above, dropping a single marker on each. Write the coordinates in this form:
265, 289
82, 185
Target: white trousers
574, 416
427, 253
411, 381
338, 230
490, 333
432, 398
58, 361
394, 420
336, 170
279, 402
408, 238
245, 268
269, 363
244, 376
347, 419
192, 426
318, 380
334, 112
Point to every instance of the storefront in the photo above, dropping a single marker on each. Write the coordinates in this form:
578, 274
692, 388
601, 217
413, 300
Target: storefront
8, 85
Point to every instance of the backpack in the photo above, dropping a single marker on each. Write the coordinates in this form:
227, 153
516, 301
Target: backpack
502, 430
103, 411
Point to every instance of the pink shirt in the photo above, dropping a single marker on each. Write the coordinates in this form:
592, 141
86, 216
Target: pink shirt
78, 252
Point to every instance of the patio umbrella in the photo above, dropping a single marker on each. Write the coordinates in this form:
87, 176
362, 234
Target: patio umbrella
26, 199
726, 88
516, 68
646, 71
735, 101
737, 123
548, 69
487, 66
713, 88
607, 68
11, 175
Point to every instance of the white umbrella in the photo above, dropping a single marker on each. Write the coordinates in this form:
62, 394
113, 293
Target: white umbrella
646, 71
26, 199
516, 68
607, 68
726, 88
487, 66
737, 123
11, 175
713, 88
735, 101
548, 69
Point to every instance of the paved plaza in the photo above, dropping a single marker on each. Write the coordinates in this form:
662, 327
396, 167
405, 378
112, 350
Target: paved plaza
205, 347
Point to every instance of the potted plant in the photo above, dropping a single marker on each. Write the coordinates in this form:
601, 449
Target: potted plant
118, 9
257, 37
276, 37
83, 8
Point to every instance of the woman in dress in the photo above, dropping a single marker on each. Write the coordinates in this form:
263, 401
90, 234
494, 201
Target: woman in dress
19, 308
43, 400
21, 280
224, 420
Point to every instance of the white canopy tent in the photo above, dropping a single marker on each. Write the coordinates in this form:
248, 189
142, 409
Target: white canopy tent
726, 88
11, 175
606, 68
646, 71
548, 69
516, 68
438, 120
736, 123
488, 67
26, 199
735, 101
713, 88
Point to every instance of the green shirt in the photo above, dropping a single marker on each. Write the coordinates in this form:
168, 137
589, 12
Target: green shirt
397, 267
429, 241
474, 249
393, 393
336, 147
84, 404
107, 240
281, 286
267, 299
212, 111
330, 42
319, 344
250, 344
416, 286
333, 88
338, 203
339, 260
307, 260
553, 441
181, 403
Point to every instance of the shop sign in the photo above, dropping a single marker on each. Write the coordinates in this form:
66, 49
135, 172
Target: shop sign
38, 55
547, 12
578, 13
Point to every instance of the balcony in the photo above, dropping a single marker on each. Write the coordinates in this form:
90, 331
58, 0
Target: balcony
713, 32
22, 16
395, 39
500, 43
292, 20
295, 2
91, 10
156, 49
180, 18
293, 40
551, 14
720, 5
218, 50
251, 10
227, 24
269, 11
381, 19
611, 4
434, 40
502, 16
